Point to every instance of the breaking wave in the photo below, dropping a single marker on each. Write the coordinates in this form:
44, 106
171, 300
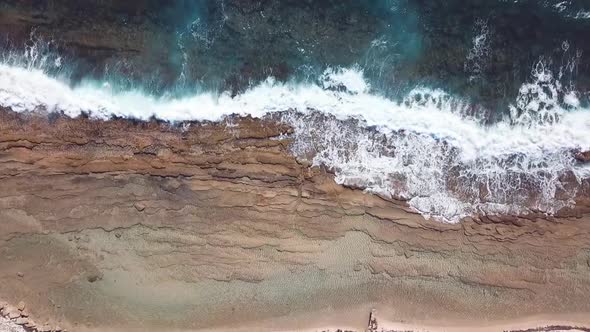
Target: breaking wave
424, 149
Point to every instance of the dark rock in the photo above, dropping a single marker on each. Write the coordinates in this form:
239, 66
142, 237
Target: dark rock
583, 156
92, 278
31, 324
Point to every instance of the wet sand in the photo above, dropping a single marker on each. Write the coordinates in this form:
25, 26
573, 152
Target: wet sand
574, 322
332, 322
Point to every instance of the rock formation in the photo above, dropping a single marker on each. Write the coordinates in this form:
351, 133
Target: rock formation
126, 224
583, 156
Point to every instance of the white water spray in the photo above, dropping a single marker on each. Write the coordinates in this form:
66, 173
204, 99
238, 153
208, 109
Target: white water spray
423, 149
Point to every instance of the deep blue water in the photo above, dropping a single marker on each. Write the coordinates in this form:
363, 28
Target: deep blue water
182, 46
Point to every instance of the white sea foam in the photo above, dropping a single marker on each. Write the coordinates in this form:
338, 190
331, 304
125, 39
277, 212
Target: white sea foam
422, 149
479, 54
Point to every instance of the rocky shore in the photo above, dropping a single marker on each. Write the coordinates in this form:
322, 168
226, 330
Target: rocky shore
126, 225
121, 225
16, 319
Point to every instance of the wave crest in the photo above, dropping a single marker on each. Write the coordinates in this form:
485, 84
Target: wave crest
424, 149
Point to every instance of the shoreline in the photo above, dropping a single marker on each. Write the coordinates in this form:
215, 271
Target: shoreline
539, 323
542, 323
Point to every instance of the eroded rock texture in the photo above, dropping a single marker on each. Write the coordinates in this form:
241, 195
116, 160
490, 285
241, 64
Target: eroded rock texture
215, 225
